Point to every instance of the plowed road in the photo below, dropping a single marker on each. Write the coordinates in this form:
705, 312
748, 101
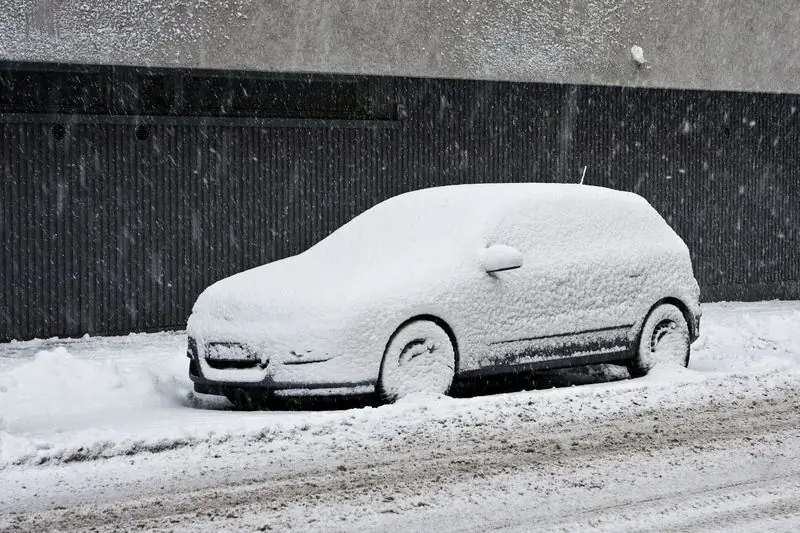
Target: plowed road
727, 463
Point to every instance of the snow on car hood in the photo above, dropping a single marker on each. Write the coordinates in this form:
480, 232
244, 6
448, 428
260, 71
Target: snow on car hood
270, 287
383, 257
285, 289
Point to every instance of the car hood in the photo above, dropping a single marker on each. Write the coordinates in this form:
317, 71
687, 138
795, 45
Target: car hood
275, 288
310, 288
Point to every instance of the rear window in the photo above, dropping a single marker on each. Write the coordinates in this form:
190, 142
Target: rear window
577, 223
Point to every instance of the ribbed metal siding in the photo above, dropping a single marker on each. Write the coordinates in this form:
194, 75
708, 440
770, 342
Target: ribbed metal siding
105, 233
722, 168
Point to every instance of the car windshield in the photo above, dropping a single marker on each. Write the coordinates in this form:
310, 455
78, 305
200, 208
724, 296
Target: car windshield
416, 223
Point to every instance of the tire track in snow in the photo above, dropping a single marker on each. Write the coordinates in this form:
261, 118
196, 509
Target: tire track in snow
720, 508
555, 458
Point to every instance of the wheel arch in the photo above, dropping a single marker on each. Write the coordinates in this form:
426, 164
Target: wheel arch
677, 302
430, 318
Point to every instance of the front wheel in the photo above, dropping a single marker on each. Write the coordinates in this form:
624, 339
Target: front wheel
420, 358
664, 340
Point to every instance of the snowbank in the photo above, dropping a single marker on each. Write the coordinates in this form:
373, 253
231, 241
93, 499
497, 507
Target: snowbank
748, 337
55, 380
53, 391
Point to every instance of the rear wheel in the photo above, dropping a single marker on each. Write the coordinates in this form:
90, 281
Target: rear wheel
420, 358
664, 340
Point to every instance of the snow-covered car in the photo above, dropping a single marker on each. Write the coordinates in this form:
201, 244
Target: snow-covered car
453, 282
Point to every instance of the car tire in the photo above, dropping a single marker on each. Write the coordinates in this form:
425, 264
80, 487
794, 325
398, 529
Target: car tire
420, 358
664, 339
247, 400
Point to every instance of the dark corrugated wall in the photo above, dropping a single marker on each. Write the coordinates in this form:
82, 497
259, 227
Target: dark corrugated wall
724, 170
120, 224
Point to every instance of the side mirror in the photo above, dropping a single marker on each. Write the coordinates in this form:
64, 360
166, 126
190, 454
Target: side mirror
499, 257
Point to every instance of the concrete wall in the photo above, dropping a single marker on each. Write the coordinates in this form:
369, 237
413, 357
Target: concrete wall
714, 44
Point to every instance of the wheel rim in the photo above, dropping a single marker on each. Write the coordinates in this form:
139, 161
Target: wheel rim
420, 359
669, 344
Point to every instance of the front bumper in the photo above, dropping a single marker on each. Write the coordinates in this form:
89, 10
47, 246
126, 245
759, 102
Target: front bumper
324, 376
205, 386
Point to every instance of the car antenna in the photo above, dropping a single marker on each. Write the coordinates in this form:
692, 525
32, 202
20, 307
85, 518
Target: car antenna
584, 173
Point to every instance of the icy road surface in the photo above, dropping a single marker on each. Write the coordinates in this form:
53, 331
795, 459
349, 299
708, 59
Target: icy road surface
104, 434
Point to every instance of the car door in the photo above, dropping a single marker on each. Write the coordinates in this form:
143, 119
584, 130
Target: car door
527, 307
556, 305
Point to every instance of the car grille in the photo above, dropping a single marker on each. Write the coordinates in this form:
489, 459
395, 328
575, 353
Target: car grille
226, 355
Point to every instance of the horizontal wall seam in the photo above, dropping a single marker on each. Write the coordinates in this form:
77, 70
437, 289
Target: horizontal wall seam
168, 120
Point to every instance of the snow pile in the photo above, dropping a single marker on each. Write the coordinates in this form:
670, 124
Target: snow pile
55, 392
60, 381
748, 337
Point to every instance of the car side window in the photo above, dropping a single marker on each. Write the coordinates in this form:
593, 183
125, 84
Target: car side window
529, 229
558, 228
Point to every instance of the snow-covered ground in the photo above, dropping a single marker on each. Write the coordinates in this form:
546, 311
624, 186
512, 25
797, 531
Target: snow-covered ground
94, 424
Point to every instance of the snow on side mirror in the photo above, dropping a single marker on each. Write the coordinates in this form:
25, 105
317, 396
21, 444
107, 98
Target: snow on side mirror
499, 257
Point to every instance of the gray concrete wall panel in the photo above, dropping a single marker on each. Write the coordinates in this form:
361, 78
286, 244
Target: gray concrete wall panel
751, 45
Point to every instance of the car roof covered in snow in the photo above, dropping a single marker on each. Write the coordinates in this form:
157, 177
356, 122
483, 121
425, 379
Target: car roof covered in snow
498, 194
459, 215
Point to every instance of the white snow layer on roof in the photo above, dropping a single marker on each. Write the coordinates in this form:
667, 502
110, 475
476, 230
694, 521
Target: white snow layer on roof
455, 217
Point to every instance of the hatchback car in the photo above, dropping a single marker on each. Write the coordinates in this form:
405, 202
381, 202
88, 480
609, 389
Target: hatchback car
453, 282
